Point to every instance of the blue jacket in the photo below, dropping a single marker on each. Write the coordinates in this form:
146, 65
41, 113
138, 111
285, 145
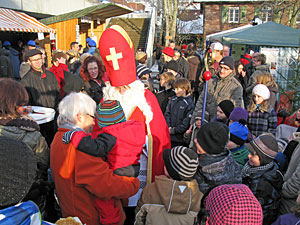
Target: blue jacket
178, 115
14, 58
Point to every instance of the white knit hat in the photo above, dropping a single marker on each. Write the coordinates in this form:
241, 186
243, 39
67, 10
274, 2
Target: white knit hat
262, 91
216, 46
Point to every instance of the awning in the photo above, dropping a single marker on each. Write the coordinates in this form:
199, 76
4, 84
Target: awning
103, 11
11, 20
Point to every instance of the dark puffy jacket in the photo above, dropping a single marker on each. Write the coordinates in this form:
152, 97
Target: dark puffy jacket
94, 90
178, 114
6, 69
14, 57
163, 98
266, 185
215, 170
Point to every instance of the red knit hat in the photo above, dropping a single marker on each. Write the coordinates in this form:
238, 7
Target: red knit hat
169, 51
117, 53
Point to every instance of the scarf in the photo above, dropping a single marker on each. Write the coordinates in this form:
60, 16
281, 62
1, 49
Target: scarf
250, 171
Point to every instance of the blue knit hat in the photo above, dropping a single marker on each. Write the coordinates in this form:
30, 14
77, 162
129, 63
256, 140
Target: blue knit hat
31, 43
6, 43
238, 133
92, 43
110, 112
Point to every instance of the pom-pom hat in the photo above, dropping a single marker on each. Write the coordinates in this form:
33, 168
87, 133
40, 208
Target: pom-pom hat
117, 53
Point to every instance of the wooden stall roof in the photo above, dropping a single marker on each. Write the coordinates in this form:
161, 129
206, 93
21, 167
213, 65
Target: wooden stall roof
11, 20
103, 10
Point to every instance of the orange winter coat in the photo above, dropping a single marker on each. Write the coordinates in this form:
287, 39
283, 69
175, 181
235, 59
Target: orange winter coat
79, 178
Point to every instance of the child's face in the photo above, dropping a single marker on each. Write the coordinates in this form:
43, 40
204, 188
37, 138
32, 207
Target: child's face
180, 92
254, 160
220, 114
258, 99
162, 82
198, 123
231, 145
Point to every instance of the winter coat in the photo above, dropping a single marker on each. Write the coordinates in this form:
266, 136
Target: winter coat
167, 201
273, 99
290, 188
288, 219
42, 88
163, 98
94, 90
189, 138
59, 72
193, 66
183, 67
215, 170
82, 178
220, 89
262, 122
178, 114
265, 183
27, 130
6, 68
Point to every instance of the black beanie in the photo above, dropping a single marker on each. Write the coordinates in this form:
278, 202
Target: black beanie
213, 137
227, 107
172, 65
228, 61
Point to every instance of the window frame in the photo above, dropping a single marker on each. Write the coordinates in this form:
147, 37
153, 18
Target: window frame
236, 11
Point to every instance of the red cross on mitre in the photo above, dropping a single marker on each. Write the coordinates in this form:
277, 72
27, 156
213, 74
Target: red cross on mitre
117, 52
114, 58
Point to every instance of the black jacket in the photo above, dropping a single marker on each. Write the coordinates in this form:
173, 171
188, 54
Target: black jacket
178, 114
266, 185
163, 98
94, 90
6, 68
42, 88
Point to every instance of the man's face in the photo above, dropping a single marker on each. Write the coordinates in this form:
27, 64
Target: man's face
36, 62
255, 62
75, 47
224, 71
225, 51
172, 45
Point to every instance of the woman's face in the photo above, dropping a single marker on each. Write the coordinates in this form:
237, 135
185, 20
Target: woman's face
240, 69
92, 68
298, 114
258, 99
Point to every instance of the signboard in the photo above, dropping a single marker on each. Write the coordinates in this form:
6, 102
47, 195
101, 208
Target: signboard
86, 19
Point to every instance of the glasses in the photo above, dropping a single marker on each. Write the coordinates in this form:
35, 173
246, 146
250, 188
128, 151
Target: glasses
223, 67
90, 116
92, 69
35, 60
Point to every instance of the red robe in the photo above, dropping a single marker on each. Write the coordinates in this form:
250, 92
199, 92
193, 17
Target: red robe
159, 130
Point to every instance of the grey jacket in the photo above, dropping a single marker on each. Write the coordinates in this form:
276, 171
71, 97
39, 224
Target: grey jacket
291, 185
167, 201
219, 89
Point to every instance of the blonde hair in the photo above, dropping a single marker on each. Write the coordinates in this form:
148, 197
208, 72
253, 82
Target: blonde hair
266, 79
168, 77
264, 107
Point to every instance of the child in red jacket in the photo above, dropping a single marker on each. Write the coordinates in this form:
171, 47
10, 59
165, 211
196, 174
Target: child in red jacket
123, 158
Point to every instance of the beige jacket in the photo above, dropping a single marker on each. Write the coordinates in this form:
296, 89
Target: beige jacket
167, 201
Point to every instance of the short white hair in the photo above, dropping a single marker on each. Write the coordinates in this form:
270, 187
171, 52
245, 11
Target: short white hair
73, 104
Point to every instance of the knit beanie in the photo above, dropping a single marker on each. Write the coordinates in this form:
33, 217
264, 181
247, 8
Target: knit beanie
213, 137
228, 61
227, 107
172, 65
198, 116
110, 112
265, 146
18, 169
181, 162
233, 204
139, 55
238, 133
262, 91
142, 70
239, 115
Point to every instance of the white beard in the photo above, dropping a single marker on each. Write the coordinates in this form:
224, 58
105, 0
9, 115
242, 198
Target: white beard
133, 97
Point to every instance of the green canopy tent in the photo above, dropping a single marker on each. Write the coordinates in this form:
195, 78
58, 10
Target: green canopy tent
266, 34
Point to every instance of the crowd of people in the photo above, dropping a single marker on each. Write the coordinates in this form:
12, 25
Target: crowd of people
121, 150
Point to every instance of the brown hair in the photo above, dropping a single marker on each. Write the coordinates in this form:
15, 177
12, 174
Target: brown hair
57, 55
84, 72
184, 84
12, 95
260, 58
266, 79
169, 77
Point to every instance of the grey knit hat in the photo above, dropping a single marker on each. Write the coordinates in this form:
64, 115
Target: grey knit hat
17, 171
181, 162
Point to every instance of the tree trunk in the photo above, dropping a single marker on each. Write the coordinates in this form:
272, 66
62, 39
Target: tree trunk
170, 10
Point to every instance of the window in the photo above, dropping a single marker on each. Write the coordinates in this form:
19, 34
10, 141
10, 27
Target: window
266, 13
234, 15
298, 18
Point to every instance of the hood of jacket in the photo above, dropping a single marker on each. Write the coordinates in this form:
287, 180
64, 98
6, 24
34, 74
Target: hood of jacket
264, 67
4, 52
178, 197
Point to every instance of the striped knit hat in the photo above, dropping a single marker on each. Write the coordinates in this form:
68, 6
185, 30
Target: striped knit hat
110, 112
181, 162
142, 70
